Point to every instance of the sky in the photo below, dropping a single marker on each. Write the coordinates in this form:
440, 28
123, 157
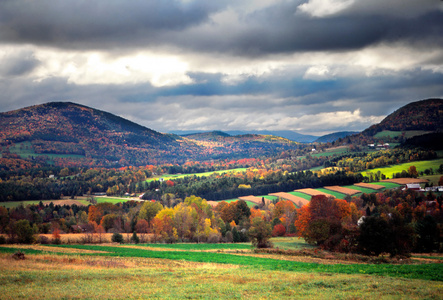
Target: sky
312, 66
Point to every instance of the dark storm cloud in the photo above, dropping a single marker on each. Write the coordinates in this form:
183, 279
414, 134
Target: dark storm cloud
97, 24
283, 29
279, 28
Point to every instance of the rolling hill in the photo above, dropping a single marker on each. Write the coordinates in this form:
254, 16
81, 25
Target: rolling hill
69, 129
424, 115
65, 132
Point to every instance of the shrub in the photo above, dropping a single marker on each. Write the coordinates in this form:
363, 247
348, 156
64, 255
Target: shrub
117, 238
2, 240
279, 230
43, 240
24, 232
134, 238
228, 237
260, 233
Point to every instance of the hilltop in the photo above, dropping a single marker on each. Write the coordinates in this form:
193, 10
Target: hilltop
424, 115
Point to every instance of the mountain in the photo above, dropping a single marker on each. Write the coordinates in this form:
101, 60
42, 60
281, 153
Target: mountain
68, 130
287, 134
332, 137
67, 133
424, 115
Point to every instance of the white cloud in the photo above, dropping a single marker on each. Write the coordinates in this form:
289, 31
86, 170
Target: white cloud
94, 67
318, 73
324, 8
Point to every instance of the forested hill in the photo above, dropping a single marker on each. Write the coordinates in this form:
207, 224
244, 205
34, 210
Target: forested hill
67, 133
64, 128
425, 115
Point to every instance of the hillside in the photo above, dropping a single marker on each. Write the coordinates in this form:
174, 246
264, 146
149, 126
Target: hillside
247, 145
424, 115
89, 135
68, 133
330, 138
287, 134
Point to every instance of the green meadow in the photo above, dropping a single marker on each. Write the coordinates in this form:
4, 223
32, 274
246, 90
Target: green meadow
205, 174
205, 271
419, 165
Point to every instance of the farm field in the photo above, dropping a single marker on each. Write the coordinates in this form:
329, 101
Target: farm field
122, 272
114, 200
206, 174
26, 150
392, 134
432, 178
79, 201
420, 165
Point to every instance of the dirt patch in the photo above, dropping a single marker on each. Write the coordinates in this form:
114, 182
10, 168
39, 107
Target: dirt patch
256, 200
370, 186
342, 190
406, 180
313, 192
53, 249
299, 201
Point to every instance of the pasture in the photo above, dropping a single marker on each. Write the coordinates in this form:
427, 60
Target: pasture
205, 174
191, 271
420, 166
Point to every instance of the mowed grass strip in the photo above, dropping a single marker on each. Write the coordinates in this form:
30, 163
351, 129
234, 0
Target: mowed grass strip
417, 271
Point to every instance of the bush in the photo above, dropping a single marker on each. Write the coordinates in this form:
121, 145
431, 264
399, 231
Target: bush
134, 238
279, 230
260, 233
43, 240
117, 238
2, 240
24, 232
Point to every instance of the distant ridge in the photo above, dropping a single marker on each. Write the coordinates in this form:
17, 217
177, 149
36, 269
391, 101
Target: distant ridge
287, 134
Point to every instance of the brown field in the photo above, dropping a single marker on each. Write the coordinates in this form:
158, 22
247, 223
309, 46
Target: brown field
406, 180
369, 186
294, 199
213, 203
251, 198
312, 192
79, 238
342, 190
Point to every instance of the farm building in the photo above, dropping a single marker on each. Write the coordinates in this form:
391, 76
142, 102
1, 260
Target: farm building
413, 186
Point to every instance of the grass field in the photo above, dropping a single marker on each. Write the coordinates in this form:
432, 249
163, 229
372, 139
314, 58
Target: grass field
432, 178
420, 165
333, 193
331, 151
301, 195
112, 200
202, 271
206, 174
392, 134
26, 150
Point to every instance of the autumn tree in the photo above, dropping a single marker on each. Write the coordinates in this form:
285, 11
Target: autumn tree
142, 228
260, 233
322, 221
149, 209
